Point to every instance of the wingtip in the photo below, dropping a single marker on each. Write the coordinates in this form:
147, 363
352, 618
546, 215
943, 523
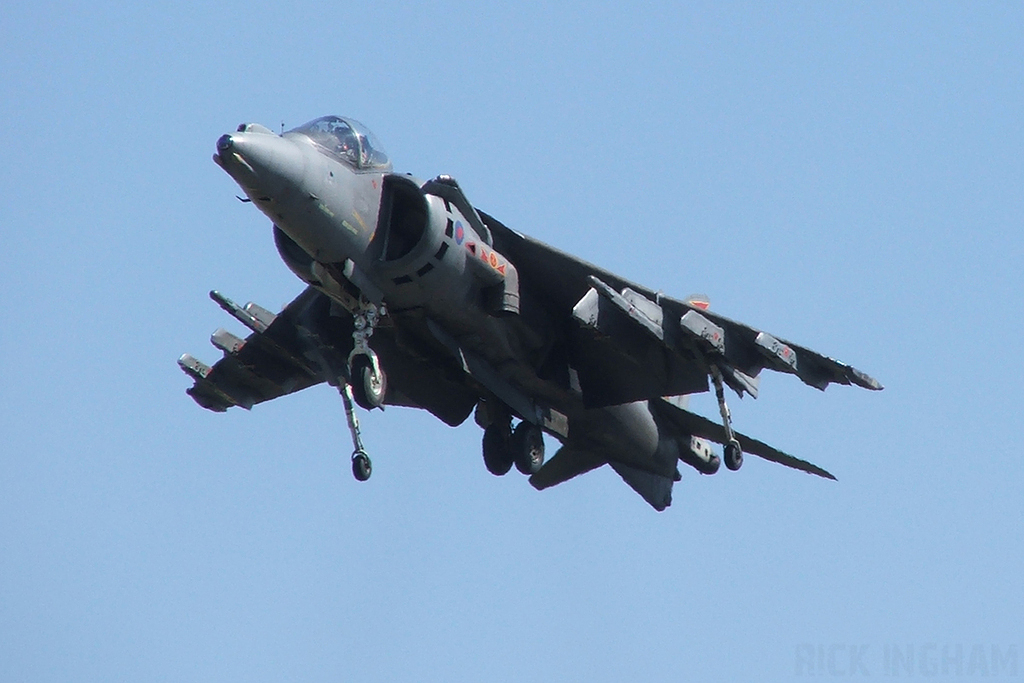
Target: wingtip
862, 379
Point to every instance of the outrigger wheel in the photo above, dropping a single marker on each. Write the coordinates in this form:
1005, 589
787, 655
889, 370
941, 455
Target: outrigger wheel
361, 466
733, 455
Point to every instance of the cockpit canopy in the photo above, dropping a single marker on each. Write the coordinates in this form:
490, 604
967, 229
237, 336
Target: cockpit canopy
347, 140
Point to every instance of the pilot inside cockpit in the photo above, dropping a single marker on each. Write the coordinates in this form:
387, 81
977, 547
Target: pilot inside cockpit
348, 140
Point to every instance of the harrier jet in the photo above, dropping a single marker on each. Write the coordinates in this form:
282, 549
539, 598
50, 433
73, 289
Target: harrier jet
416, 298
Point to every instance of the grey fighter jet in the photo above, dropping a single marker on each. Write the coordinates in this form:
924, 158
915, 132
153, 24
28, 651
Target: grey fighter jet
416, 298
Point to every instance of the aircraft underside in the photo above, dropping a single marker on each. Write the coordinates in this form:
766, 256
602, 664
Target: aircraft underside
416, 298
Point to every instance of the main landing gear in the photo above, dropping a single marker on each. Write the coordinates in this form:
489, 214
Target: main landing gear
497, 448
527, 446
504, 447
733, 453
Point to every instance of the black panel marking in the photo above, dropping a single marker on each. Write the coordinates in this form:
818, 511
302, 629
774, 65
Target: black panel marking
441, 251
405, 279
425, 269
449, 229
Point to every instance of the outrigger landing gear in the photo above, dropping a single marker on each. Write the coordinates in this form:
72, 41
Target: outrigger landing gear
363, 379
362, 468
369, 383
733, 453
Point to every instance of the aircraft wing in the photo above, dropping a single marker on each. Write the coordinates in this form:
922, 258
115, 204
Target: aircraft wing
630, 343
269, 363
750, 350
305, 344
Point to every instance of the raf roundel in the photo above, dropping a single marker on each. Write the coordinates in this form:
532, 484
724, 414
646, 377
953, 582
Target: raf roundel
460, 232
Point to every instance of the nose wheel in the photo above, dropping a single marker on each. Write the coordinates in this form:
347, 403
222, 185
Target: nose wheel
369, 383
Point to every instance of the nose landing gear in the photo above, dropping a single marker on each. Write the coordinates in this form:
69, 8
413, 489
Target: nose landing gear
369, 383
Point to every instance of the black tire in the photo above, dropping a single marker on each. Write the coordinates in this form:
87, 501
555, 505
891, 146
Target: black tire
713, 464
367, 390
733, 455
528, 448
497, 449
361, 466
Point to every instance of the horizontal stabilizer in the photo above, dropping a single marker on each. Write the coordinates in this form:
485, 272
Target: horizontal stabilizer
566, 464
654, 488
570, 462
697, 425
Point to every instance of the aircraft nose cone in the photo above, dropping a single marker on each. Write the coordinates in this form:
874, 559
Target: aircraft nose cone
263, 162
225, 143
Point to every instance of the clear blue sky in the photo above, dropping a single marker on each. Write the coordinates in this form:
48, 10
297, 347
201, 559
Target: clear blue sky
845, 176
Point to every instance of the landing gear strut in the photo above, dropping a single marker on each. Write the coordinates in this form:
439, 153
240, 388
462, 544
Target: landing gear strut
733, 452
365, 384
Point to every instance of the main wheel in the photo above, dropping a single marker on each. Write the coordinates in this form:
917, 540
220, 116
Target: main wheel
361, 466
733, 455
497, 450
528, 447
368, 387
